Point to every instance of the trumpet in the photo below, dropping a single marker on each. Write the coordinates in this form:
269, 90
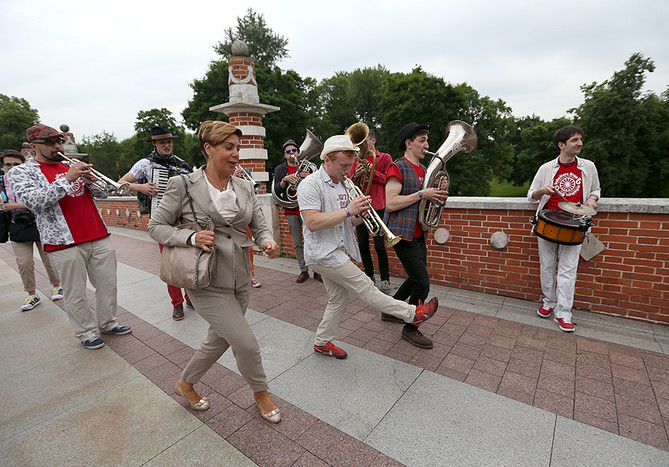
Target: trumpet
358, 133
374, 223
244, 175
103, 182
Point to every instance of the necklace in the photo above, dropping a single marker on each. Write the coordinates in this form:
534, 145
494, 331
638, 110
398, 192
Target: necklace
218, 184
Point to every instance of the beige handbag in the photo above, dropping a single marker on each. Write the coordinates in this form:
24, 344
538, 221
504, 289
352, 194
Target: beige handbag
188, 267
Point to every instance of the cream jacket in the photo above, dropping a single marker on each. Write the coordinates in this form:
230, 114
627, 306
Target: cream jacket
234, 265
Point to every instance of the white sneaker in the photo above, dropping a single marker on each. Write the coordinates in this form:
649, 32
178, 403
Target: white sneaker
255, 283
56, 293
384, 286
31, 302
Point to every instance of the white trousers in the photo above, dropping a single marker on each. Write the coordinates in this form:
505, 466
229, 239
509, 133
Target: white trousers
558, 265
347, 278
97, 261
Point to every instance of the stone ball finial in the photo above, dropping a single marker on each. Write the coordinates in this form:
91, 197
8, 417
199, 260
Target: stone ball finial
240, 48
25, 144
64, 128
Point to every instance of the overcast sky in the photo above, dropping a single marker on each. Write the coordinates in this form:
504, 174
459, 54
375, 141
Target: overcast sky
94, 64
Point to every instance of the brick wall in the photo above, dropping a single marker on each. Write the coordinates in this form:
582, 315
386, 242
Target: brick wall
630, 278
122, 211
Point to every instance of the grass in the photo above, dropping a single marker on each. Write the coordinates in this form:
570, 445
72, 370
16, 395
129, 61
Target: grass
505, 189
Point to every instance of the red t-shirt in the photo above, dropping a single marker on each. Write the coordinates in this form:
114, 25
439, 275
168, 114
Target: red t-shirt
393, 171
296, 211
568, 181
79, 209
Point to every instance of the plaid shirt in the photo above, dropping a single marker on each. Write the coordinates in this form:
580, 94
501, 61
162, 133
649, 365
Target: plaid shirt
403, 222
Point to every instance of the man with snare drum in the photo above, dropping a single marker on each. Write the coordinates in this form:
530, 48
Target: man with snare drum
577, 181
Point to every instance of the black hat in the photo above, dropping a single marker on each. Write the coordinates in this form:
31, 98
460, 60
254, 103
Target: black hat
161, 132
290, 142
408, 131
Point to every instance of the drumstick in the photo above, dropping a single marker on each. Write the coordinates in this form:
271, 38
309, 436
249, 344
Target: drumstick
561, 196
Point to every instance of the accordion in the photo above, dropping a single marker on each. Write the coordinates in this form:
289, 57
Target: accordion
160, 178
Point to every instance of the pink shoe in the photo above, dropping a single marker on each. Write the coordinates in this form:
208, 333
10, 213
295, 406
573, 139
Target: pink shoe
545, 312
565, 324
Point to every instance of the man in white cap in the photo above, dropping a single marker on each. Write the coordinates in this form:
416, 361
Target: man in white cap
329, 218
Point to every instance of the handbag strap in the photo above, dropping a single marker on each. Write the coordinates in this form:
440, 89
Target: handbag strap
209, 226
210, 223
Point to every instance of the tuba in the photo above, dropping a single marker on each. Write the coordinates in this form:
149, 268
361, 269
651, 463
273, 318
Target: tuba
459, 137
309, 148
357, 133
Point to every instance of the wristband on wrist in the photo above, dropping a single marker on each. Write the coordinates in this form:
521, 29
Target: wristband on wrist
593, 197
420, 195
348, 213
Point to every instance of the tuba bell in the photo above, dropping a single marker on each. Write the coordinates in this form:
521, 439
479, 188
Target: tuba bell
309, 148
459, 137
358, 133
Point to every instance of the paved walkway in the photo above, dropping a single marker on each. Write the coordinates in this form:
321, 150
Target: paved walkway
501, 386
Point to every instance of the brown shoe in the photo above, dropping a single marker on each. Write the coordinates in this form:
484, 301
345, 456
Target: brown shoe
304, 275
417, 338
391, 318
318, 277
178, 313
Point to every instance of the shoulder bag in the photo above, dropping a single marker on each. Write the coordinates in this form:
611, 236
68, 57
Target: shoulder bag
188, 267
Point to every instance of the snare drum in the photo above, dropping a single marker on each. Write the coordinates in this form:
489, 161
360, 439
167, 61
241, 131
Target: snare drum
561, 227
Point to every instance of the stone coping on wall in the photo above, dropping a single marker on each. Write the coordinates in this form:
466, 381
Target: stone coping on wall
636, 205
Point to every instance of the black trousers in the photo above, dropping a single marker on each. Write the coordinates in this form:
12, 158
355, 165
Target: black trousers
413, 256
379, 246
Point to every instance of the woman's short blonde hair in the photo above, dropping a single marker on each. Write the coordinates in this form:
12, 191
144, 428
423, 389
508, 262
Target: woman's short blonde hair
215, 132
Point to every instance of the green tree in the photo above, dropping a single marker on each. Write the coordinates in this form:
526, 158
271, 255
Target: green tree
147, 119
424, 98
626, 132
534, 145
103, 152
16, 116
265, 47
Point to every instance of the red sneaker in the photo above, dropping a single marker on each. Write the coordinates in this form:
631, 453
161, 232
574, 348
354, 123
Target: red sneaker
565, 324
545, 312
331, 350
425, 311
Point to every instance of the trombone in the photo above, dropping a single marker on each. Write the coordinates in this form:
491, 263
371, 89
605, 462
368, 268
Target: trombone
103, 182
374, 223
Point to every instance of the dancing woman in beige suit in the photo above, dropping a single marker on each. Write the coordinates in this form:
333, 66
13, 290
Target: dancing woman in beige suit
232, 205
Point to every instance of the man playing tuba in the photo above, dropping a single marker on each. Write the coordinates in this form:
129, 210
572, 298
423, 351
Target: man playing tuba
285, 177
404, 180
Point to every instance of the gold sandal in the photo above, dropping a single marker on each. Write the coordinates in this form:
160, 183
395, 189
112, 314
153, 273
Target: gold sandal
201, 405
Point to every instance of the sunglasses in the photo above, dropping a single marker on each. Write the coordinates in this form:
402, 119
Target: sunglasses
290, 151
12, 164
49, 142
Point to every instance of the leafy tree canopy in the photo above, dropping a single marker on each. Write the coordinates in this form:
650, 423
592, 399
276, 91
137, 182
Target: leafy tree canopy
626, 132
16, 116
265, 47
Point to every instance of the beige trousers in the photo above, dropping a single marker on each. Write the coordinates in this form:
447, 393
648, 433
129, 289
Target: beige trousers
97, 261
347, 278
26, 263
224, 311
